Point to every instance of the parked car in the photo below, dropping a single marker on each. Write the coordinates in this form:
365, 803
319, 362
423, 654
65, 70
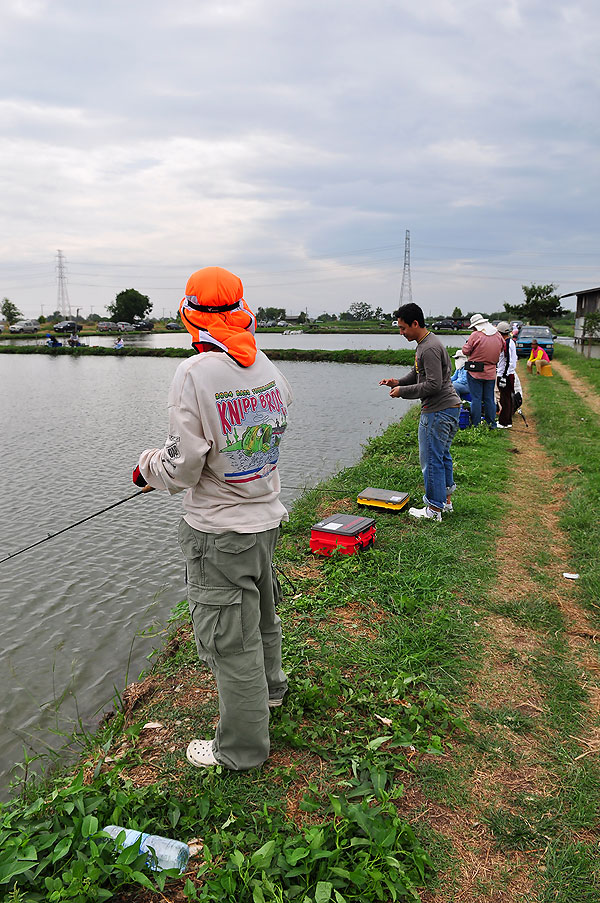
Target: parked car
105, 326
142, 325
544, 337
25, 326
67, 326
173, 325
123, 326
445, 323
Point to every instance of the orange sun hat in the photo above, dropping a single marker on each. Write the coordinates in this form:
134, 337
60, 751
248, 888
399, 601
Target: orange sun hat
215, 314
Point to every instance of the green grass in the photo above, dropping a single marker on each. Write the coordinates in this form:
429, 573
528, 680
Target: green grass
584, 367
344, 765
570, 432
389, 634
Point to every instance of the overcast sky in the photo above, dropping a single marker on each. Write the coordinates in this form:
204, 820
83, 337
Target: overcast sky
295, 143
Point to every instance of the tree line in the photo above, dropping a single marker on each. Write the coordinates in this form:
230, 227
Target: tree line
540, 305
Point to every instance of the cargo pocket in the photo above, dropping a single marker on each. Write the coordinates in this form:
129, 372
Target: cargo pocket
234, 543
217, 618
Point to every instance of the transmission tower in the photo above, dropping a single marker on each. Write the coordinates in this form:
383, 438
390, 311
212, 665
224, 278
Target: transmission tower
63, 303
406, 287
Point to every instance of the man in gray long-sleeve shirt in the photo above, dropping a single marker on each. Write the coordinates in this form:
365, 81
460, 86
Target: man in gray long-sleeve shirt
430, 381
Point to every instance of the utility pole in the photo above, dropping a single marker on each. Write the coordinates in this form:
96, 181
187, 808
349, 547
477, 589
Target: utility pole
63, 303
406, 287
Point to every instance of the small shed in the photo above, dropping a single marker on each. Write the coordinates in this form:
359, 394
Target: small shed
588, 301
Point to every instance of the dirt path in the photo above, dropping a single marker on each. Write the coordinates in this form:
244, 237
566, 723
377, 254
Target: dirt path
531, 543
580, 387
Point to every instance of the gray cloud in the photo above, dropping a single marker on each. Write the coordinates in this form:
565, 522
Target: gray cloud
295, 143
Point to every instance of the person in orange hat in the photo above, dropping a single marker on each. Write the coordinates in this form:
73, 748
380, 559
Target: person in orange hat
228, 409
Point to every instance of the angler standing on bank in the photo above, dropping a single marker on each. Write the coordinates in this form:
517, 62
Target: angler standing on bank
227, 415
429, 380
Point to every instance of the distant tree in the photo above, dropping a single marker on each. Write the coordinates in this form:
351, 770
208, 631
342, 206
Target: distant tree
541, 304
41, 318
457, 314
378, 313
302, 317
274, 313
94, 318
347, 315
10, 312
360, 310
129, 304
327, 318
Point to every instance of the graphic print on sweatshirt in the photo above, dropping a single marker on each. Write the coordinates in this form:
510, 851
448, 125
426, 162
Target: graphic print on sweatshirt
253, 422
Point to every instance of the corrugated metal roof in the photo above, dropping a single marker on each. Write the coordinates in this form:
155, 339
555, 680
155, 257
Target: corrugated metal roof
583, 291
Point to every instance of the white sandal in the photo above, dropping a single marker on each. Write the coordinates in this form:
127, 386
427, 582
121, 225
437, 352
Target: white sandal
200, 753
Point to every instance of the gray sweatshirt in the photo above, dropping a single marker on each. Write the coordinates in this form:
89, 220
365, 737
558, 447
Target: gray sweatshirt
429, 379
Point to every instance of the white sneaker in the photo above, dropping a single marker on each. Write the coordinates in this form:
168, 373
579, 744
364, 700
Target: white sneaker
200, 753
504, 426
448, 507
277, 699
427, 512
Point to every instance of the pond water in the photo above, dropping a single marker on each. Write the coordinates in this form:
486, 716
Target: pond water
77, 609
325, 342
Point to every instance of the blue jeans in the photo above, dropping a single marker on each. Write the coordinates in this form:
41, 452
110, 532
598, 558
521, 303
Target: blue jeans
436, 432
482, 396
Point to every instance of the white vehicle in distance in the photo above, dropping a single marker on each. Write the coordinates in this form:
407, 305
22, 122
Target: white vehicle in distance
125, 327
25, 326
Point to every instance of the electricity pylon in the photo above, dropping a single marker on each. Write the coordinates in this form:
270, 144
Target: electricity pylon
406, 287
63, 303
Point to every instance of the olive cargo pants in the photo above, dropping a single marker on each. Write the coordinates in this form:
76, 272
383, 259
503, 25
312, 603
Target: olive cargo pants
232, 595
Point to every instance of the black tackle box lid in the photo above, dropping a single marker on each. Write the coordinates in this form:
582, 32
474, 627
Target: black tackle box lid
344, 524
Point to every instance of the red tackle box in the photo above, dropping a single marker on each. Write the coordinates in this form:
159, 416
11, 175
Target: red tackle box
349, 532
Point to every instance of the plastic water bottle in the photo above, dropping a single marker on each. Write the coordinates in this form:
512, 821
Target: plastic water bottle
170, 854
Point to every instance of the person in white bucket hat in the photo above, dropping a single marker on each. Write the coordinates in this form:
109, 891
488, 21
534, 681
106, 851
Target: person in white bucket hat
483, 348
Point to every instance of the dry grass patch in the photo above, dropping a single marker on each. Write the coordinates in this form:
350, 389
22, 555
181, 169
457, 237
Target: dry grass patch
332, 506
356, 619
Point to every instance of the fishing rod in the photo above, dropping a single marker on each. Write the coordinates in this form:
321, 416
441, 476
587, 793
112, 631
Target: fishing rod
70, 527
127, 499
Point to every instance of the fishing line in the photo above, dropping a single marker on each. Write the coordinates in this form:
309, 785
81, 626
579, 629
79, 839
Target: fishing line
127, 499
64, 530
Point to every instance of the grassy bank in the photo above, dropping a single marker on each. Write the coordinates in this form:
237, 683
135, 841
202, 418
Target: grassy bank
570, 432
586, 368
379, 648
400, 357
527, 774
443, 708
